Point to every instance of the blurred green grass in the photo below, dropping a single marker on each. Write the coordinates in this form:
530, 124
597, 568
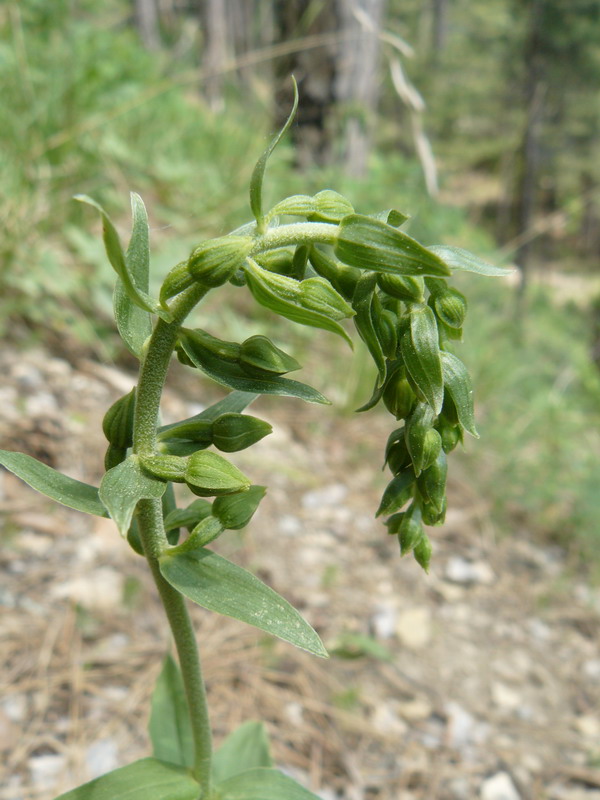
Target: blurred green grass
87, 110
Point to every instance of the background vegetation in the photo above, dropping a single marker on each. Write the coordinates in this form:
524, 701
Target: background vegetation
478, 118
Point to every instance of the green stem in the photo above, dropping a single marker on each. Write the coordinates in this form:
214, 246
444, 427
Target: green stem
152, 377
296, 233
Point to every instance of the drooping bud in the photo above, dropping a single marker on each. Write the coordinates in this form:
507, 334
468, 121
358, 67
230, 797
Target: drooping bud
178, 280
209, 474
341, 277
432, 444
450, 434
405, 288
422, 552
398, 396
408, 528
259, 353
329, 206
279, 260
317, 294
431, 515
234, 511
201, 341
118, 421
214, 262
419, 445
232, 432
195, 430
451, 308
165, 467
397, 493
432, 482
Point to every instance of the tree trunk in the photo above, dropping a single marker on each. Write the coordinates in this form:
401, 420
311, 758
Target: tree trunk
357, 87
214, 18
146, 21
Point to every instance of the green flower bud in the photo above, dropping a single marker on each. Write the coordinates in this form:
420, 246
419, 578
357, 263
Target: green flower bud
317, 294
419, 444
422, 552
118, 421
209, 474
233, 432
385, 323
330, 206
234, 511
451, 308
298, 205
201, 341
167, 468
397, 493
431, 515
178, 280
114, 456
432, 444
259, 353
398, 396
214, 262
432, 482
450, 434
279, 260
409, 529
341, 277
196, 430
407, 289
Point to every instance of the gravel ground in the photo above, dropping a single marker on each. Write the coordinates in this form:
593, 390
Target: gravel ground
481, 680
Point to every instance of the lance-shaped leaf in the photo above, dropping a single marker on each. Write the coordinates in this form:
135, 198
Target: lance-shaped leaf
283, 295
362, 304
246, 748
114, 251
371, 244
457, 383
169, 727
51, 483
147, 779
457, 258
421, 353
233, 376
215, 583
258, 174
123, 486
133, 322
263, 784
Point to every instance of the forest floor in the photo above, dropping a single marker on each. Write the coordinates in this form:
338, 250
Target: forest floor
480, 680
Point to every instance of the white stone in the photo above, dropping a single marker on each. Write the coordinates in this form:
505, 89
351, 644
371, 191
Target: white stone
45, 770
505, 696
459, 570
384, 621
328, 496
499, 787
414, 627
101, 757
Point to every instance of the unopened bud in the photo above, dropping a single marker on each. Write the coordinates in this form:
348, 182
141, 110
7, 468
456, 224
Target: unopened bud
422, 552
165, 467
232, 432
178, 280
259, 353
210, 474
417, 427
318, 295
234, 511
405, 288
451, 308
432, 482
118, 421
398, 396
214, 262
330, 206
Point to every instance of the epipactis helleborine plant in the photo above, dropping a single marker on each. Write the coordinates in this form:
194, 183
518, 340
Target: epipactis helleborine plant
332, 265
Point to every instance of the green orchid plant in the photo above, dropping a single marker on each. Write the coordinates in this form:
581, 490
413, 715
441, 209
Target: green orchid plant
330, 266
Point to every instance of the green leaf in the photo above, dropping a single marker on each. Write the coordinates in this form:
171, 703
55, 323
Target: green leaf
282, 295
114, 251
147, 779
169, 727
51, 483
457, 382
123, 486
244, 749
234, 403
421, 353
232, 375
188, 517
133, 322
258, 174
362, 304
351, 645
215, 583
457, 258
263, 784
369, 243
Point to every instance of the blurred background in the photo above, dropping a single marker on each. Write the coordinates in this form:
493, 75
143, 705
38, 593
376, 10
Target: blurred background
479, 119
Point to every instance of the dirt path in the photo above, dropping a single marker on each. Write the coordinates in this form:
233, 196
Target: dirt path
483, 679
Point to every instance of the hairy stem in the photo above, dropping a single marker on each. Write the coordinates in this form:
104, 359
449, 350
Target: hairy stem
152, 377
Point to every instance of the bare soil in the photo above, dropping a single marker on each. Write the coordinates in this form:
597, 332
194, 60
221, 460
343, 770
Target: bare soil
488, 684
